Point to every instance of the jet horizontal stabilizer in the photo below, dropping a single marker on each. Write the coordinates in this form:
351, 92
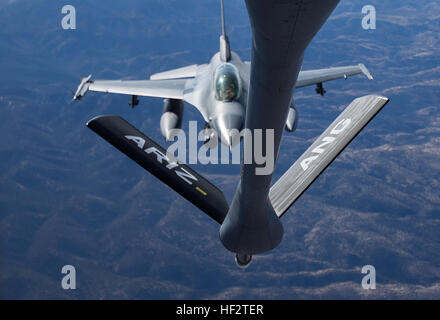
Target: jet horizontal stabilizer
154, 158
323, 151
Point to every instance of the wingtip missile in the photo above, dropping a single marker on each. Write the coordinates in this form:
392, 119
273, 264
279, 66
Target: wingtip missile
365, 71
82, 88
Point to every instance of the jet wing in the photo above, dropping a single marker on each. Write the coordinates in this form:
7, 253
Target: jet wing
174, 89
310, 77
323, 151
150, 88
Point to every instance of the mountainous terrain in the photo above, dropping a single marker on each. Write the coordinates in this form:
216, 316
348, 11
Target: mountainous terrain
69, 198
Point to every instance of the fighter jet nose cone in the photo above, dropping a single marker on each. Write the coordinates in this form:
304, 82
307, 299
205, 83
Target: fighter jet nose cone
228, 126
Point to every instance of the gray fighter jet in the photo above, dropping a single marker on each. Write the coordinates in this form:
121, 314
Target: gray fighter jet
235, 94
219, 90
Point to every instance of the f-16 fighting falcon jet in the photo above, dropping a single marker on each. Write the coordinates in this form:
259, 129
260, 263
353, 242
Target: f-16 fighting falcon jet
233, 94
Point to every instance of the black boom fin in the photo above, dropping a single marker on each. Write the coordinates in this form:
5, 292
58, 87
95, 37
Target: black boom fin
153, 158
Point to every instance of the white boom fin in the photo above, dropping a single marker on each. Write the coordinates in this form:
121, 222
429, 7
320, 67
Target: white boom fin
323, 151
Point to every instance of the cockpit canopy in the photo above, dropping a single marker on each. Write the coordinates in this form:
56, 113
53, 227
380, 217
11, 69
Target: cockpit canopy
227, 83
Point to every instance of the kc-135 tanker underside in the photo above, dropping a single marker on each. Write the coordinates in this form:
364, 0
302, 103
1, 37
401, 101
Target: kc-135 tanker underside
234, 94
